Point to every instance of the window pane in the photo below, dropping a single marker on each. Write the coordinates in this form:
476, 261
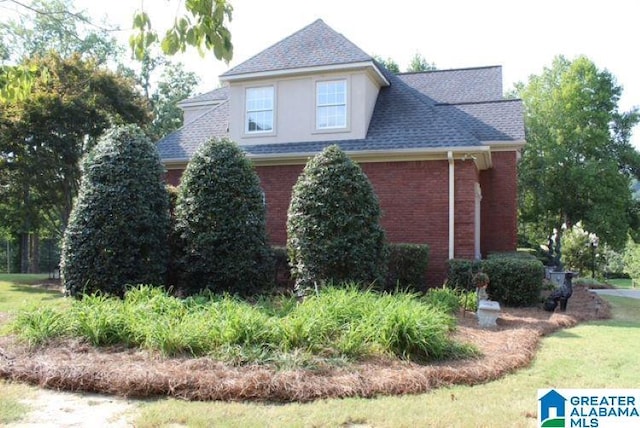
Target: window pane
331, 104
259, 109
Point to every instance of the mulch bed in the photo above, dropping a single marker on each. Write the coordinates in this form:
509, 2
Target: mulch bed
75, 366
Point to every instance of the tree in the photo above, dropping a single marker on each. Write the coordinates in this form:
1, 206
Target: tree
419, 63
581, 250
202, 26
175, 85
632, 261
55, 25
117, 234
388, 63
578, 161
220, 220
44, 136
333, 224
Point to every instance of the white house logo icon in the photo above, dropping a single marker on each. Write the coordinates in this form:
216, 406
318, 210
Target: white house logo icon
552, 409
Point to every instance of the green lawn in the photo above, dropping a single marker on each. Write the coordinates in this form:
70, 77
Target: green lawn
591, 355
16, 292
621, 282
580, 357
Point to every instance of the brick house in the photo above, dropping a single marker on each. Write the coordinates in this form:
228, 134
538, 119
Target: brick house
439, 147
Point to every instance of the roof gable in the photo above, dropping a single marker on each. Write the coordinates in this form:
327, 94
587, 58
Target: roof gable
315, 45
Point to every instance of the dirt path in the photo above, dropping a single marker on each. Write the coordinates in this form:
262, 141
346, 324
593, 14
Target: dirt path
53, 409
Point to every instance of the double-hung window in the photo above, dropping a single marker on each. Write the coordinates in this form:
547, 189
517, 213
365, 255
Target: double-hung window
331, 104
259, 110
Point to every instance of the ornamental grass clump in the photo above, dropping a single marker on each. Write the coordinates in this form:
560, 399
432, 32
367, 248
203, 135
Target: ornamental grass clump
339, 325
333, 224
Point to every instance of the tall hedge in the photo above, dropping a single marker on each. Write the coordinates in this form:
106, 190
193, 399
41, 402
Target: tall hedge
117, 231
333, 224
220, 218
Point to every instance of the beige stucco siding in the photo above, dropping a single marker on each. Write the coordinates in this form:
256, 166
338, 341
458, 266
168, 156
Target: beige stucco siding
295, 105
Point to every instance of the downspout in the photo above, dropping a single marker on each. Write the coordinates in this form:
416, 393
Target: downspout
452, 205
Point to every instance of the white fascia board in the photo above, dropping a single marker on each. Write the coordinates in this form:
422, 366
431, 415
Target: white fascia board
187, 104
309, 70
479, 154
505, 146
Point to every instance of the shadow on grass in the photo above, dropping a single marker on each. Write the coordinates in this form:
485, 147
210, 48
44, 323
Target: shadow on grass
46, 293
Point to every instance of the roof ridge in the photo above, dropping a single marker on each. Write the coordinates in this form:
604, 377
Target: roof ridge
504, 100
445, 70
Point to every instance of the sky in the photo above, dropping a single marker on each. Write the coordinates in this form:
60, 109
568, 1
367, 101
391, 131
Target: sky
523, 37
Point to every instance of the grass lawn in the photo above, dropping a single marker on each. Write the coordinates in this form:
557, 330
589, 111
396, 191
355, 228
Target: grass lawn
580, 357
16, 292
621, 282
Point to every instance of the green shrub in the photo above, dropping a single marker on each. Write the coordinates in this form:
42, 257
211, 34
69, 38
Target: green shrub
117, 232
282, 268
580, 250
460, 273
445, 298
407, 266
333, 224
514, 281
220, 221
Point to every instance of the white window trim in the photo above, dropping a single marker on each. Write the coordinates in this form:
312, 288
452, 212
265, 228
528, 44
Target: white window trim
249, 133
331, 129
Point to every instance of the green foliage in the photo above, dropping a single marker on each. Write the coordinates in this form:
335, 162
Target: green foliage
446, 298
580, 250
44, 136
514, 281
220, 221
283, 270
175, 85
460, 273
341, 323
388, 63
578, 160
117, 233
56, 26
632, 260
419, 63
407, 266
203, 27
333, 224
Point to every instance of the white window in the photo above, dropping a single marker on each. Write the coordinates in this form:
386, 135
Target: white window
259, 109
331, 104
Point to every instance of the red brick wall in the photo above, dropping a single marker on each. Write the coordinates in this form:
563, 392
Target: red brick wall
414, 198
499, 204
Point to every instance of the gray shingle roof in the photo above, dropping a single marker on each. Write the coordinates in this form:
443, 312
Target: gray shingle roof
183, 143
489, 121
218, 94
458, 86
315, 45
450, 108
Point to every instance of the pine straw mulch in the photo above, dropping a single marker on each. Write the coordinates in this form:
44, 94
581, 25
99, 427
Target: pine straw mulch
75, 366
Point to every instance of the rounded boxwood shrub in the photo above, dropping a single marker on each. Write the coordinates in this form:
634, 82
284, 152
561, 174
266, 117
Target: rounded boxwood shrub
514, 281
117, 231
220, 222
333, 224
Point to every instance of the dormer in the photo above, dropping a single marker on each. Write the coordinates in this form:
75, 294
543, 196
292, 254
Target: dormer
194, 107
315, 85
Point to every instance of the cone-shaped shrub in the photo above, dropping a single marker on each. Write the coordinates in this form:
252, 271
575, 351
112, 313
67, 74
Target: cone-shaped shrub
220, 220
117, 231
333, 224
